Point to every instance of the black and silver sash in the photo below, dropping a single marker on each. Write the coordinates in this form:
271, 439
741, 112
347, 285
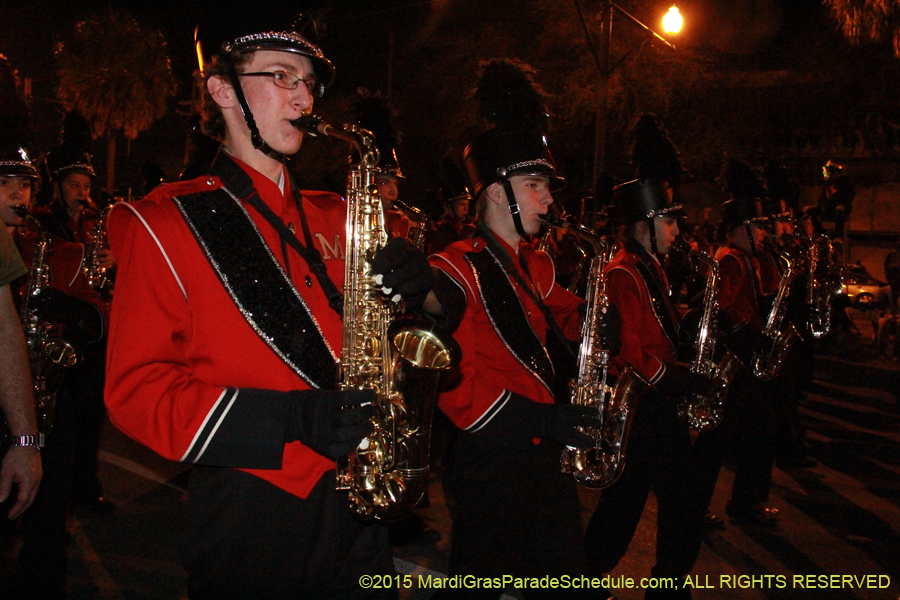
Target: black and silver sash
659, 297
255, 281
505, 312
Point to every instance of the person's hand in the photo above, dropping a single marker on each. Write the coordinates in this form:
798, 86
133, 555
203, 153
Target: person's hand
104, 259
331, 422
403, 272
521, 419
679, 381
22, 466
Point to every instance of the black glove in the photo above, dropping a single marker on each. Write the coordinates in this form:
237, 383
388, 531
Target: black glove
331, 422
609, 330
522, 419
404, 271
678, 381
83, 320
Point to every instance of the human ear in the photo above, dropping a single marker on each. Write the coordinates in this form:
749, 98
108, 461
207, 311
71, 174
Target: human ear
220, 91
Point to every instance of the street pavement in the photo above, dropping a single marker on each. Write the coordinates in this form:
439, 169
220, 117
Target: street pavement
838, 518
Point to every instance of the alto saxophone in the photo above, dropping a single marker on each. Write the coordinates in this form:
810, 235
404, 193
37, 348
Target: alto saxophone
47, 353
96, 275
781, 334
402, 359
703, 412
819, 291
417, 233
602, 464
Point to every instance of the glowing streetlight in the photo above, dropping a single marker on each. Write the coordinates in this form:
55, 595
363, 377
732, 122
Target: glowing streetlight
672, 21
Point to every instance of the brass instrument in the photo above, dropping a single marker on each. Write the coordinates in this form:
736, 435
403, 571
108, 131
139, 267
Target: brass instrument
97, 240
402, 359
47, 353
703, 412
578, 272
821, 289
767, 365
585, 233
416, 234
601, 465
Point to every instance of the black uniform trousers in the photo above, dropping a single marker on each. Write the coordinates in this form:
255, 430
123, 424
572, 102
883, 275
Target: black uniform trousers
659, 459
514, 513
41, 566
246, 538
746, 436
84, 383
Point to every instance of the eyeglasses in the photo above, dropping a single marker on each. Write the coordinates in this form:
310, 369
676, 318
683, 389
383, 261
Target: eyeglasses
289, 81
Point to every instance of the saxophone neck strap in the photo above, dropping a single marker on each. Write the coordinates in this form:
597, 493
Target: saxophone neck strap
506, 261
656, 288
309, 253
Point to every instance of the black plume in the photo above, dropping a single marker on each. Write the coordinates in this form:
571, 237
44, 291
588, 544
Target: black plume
15, 119
508, 97
780, 186
76, 133
740, 180
372, 112
453, 181
653, 153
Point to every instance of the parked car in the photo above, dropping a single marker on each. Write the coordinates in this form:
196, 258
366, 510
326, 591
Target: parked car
859, 287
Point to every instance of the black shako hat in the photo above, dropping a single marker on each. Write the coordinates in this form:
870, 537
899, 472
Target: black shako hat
236, 27
645, 199
74, 153
453, 181
509, 99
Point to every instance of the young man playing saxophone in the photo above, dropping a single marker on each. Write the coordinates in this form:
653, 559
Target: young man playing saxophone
226, 332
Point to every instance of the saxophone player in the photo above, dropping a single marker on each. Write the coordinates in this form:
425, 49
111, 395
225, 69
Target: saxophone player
748, 424
72, 218
226, 330
659, 447
514, 512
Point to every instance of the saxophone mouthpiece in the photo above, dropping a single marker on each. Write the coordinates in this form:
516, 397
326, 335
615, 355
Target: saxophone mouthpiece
311, 124
21, 210
579, 230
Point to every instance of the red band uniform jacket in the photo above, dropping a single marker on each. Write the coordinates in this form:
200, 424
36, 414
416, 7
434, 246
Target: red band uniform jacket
180, 351
489, 370
645, 347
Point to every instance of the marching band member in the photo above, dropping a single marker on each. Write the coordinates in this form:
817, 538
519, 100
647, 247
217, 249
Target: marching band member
659, 447
513, 511
226, 331
747, 427
455, 224
73, 217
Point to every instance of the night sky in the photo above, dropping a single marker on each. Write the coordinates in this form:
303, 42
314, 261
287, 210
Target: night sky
393, 45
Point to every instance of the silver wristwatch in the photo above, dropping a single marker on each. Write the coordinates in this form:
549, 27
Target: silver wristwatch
35, 440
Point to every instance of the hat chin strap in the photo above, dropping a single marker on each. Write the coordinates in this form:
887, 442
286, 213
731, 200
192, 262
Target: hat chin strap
651, 226
511, 198
750, 239
255, 138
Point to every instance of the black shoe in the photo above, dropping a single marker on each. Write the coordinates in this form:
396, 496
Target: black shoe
712, 521
756, 514
802, 462
412, 530
97, 504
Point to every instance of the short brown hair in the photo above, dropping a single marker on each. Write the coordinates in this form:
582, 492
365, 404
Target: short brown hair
211, 120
